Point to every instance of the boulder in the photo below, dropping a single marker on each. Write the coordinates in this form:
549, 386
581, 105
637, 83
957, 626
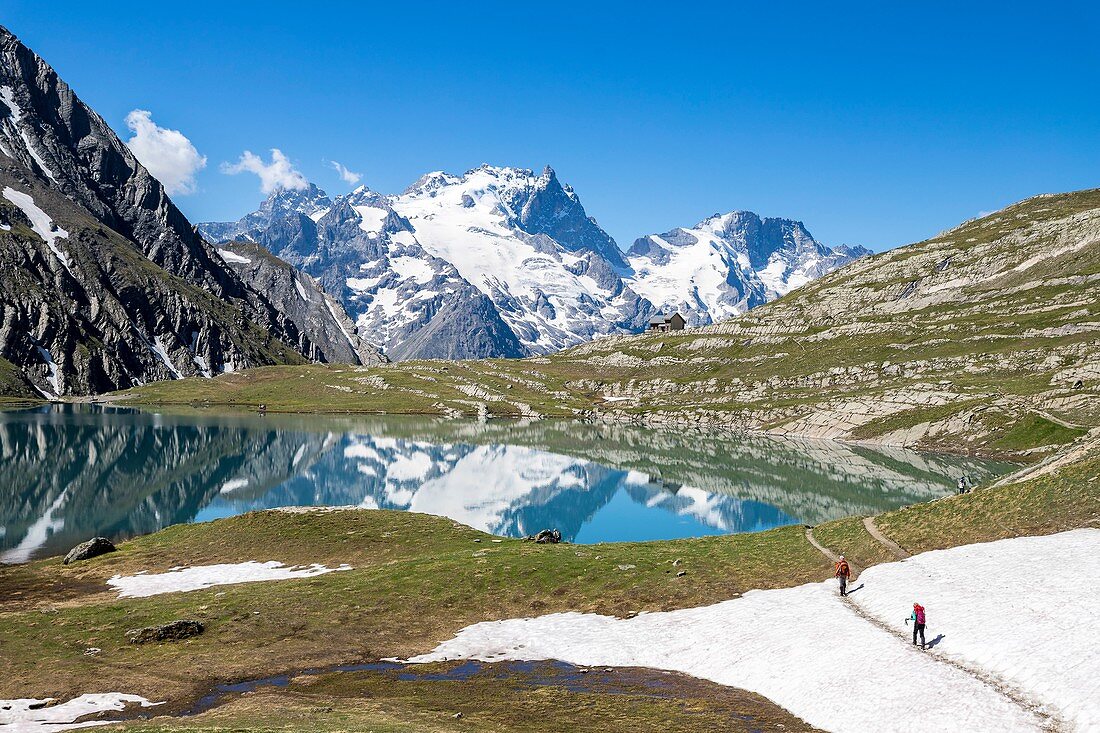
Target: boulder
92, 548
171, 631
546, 537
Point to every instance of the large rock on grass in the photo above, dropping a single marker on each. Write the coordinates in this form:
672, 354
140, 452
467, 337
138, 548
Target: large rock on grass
92, 548
171, 631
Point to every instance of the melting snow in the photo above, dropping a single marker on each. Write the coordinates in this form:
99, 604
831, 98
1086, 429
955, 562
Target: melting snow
16, 716
52, 366
1019, 612
301, 290
157, 347
41, 223
230, 256
205, 576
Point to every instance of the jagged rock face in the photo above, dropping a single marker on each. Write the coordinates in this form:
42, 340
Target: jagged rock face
310, 202
319, 318
729, 263
105, 284
504, 262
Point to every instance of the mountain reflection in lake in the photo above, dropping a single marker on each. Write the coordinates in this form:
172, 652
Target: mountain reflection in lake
69, 473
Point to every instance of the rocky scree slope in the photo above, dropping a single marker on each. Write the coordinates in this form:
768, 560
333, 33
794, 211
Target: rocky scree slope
501, 262
983, 339
104, 284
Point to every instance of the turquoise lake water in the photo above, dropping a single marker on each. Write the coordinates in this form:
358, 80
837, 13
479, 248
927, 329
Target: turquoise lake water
68, 473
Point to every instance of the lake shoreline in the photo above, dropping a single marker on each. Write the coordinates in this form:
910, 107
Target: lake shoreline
594, 482
1023, 457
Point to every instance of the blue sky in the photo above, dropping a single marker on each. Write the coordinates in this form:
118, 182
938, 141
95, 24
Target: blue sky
873, 124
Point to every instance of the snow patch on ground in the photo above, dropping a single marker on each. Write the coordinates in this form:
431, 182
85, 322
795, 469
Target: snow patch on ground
16, 716
41, 223
1021, 609
206, 576
810, 652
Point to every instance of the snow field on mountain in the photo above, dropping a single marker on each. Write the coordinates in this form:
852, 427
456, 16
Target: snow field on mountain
1018, 643
467, 223
41, 223
692, 280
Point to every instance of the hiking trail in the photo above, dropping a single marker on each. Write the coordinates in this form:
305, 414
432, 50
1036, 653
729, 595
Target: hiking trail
893, 547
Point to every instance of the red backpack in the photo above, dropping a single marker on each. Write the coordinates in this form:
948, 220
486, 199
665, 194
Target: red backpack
918, 611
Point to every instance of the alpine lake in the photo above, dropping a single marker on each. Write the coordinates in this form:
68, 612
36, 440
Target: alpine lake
70, 472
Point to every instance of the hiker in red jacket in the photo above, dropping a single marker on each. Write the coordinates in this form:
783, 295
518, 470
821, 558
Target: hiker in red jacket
917, 617
843, 572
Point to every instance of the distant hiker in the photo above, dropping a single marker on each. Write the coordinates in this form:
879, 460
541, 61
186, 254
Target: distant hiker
917, 617
962, 485
843, 572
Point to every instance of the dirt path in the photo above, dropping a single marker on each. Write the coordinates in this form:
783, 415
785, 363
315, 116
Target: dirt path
833, 557
889, 544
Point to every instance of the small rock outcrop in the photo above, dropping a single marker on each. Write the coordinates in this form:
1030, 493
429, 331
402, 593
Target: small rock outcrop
171, 631
86, 550
546, 537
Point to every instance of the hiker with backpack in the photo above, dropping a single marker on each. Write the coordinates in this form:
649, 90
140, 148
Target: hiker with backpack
917, 617
843, 572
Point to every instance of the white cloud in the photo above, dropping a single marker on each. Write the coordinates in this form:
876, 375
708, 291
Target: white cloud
280, 173
349, 177
167, 154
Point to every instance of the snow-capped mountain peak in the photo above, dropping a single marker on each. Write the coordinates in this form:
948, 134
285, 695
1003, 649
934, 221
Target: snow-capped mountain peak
729, 263
309, 201
501, 261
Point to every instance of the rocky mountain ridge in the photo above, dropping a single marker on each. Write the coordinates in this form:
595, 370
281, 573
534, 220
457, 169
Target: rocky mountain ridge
104, 284
505, 262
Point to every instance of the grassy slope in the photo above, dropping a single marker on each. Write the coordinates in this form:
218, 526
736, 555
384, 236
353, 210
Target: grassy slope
13, 387
965, 351
417, 580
